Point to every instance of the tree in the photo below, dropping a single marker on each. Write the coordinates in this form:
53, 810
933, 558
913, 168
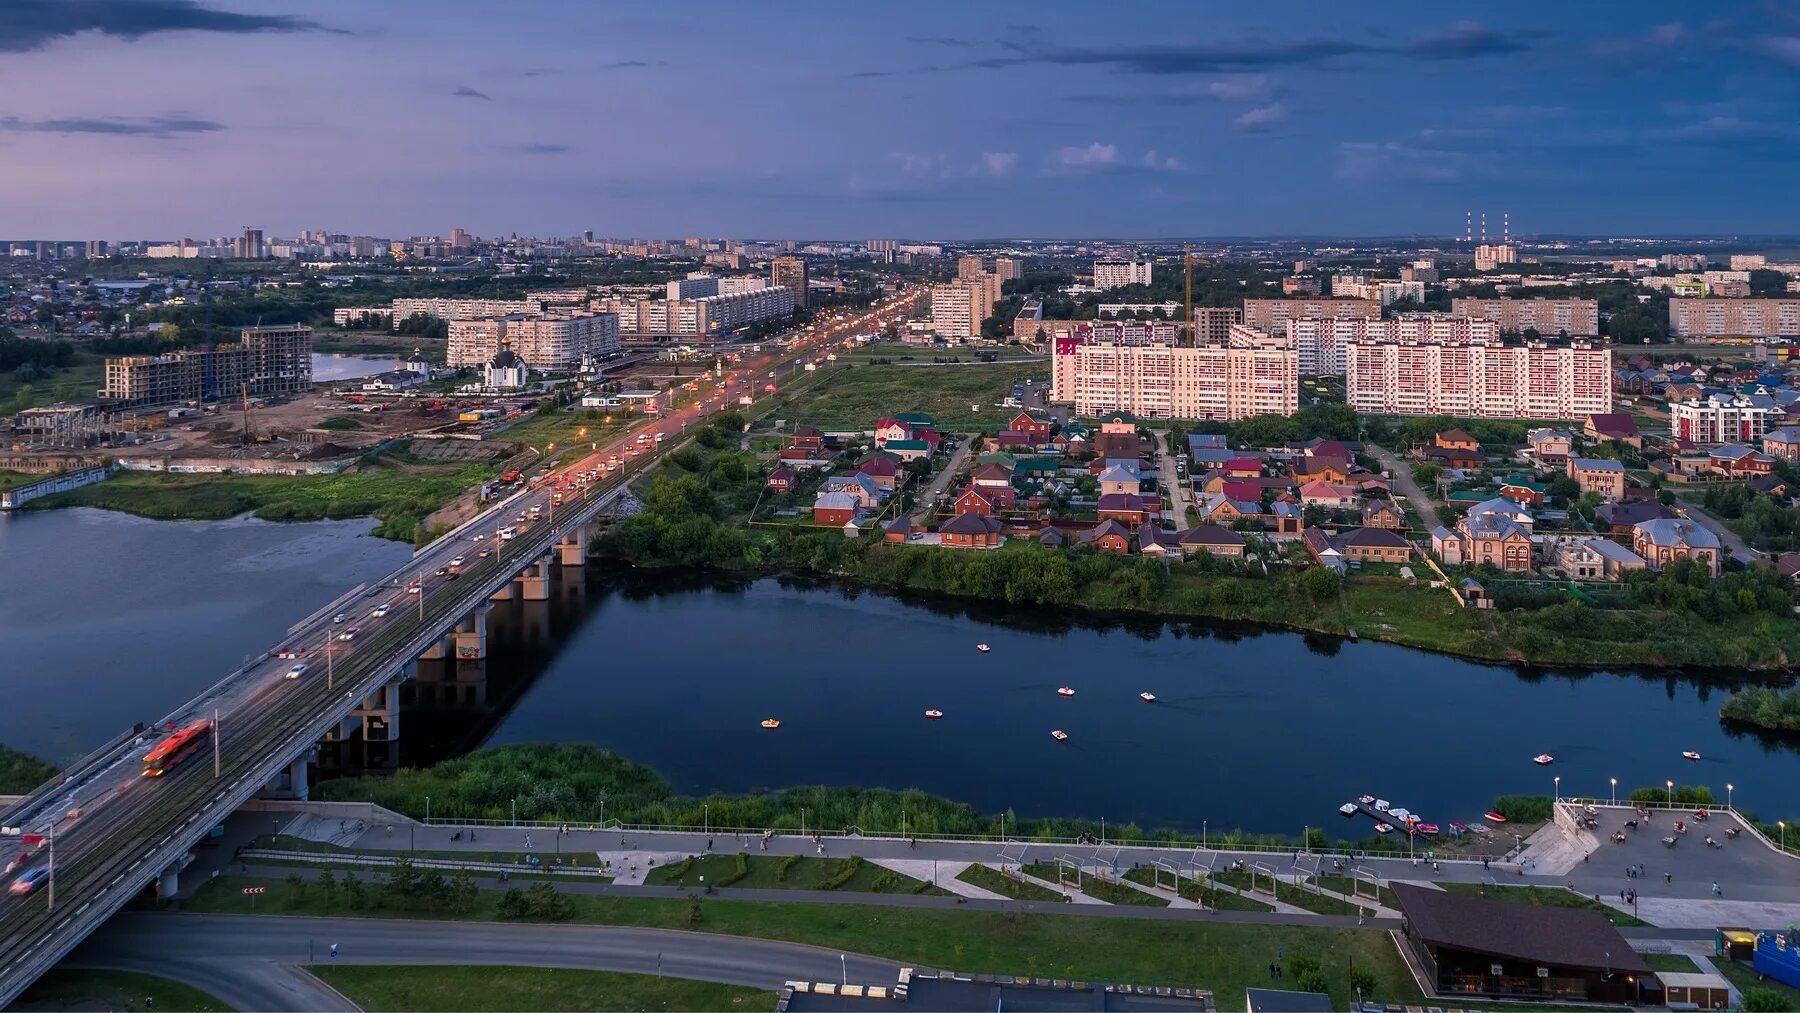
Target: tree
1765, 1000
1319, 583
297, 886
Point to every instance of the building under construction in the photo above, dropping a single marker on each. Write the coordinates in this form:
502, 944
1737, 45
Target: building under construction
263, 361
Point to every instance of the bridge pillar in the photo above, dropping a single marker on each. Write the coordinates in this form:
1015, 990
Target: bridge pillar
441, 648
571, 549
534, 583
504, 594
169, 881
471, 635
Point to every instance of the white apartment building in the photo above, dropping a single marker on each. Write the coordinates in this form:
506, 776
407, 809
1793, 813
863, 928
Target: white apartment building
458, 309
1748, 261
1390, 292
1734, 318
1272, 315
1479, 379
1119, 273
1720, 418
1579, 318
735, 309
547, 341
742, 283
1320, 341
956, 311
694, 286
360, 316
1489, 257
1252, 373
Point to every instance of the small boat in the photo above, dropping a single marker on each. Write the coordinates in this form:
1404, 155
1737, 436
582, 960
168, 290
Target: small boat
1065, 691
1459, 828
1543, 759
1493, 817
1383, 828
771, 723
983, 648
1060, 735
1690, 755
1381, 805
1429, 829
1348, 809
1403, 815
1151, 698
933, 714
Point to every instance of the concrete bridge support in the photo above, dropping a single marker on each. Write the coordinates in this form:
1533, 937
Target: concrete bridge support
471, 635
534, 583
441, 648
169, 880
504, 594
571, 549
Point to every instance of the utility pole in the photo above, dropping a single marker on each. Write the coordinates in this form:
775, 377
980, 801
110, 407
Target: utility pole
421, 595
1187, 267
52, 836
215, 743
328, 667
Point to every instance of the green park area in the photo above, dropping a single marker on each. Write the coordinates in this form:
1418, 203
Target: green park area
793, 872
65, 989
1223, 957
1547, 897
388, 988
995, 881
960, 397
47, 385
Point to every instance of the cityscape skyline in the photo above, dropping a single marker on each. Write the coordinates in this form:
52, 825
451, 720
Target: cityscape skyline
1131, 121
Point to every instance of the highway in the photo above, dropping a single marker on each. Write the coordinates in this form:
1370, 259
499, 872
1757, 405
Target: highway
252, 963
109, 830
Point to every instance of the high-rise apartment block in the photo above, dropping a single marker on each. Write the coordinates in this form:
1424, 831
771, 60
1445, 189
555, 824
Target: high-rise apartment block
1119, 273
1121, 366
1212, 324
1721, 418
1489, 257
1008, 269
970, 267
264, 361
1320, 341
249, 246
694, 286
790, 273
1734, 318
1748, 261
1272, 315
1480, 379
458, 309
1578, 318
882, 245
460, 239
546, 341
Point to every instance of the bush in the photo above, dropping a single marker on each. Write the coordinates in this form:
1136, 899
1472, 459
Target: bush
851, 867
1362, 981
1767, 1000
1685, 794
1524, 808
741, 869
786, 866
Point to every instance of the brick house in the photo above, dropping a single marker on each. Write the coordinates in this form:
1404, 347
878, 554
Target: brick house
1617, 427
1550, 444
975, 501
1740, 460
781, 479
1457, 439
1663, 542
1620, 518
883, 470
1117, 480
908, 450
901, 529
1382, 513
1599, 475
1024, 423
1331, 496
859, 486
1212, 539
807, 438
834, 509
1129, 509
969, 531
1374, 545
1108, 536
1491, 538
891, 429
1782, 443
990, 476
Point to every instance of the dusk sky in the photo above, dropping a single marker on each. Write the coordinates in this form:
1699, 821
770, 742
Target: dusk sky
161, 118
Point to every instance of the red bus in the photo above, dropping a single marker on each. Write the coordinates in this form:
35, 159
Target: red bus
173, 748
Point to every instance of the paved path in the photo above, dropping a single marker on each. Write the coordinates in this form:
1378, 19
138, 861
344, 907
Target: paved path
1403, 481
1729, 538
1181, 493
922, 503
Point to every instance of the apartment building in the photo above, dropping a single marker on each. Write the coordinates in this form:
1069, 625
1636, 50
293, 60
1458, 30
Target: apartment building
736, 309
1488, 257
970, 266
1721, 418
548, 341
1734, 318
1320, 341
1009, 268
1121, 367
264, 361
1479, 379
1272, 315
1119, 273
790, 273
1578, 318
360, 316
694, 286
1213, 324
956, 311
457, 309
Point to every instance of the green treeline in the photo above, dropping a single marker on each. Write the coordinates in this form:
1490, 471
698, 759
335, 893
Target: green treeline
1764, 707
21, 772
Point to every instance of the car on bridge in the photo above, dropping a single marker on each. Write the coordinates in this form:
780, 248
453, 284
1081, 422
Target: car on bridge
412, 588
458, 561
29, 879
292, 652
296, 672
350, 634
341, 617
379, 611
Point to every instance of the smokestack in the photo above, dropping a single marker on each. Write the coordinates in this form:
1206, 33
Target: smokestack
1484, 228
1506, 227
1468, 226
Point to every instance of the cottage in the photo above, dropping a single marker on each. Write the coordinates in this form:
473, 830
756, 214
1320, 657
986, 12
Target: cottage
1448, 457
1782, 443
1205, 441
1550, 445
1665, 542
991, 476
781, 479
1288, 517
916, 419
1457, 439
1154, 541
860, 487
1523, 490
1374, 545
1118, 480
1615, 427
1108, 536
1739, 460
1599, 475
1620, 518
1219, 508
976, 500
807, 438
1129, 509
1382, 513
1012, 439
1035, 428
908, 450
1212, 540
902, 529
969, 531
1118, 424
891, 429
1320, 468
1770, 485
1512, 510
882, 470
1592, 558
1327, 495
1249, 492
1485, 538
1051, 537
1242, 467
834, 509
1324, 549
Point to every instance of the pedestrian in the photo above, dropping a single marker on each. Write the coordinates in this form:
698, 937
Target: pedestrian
709, 844
1621, 896
1278, 969
1484, 862
528, 842
1668, 877
149, 1002
1716, 892
1271, 970
821, 847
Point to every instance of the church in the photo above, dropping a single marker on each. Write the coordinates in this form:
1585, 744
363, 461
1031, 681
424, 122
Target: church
505, 371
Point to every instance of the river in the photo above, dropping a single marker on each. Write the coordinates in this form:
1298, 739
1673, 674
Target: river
114, 619
328, 367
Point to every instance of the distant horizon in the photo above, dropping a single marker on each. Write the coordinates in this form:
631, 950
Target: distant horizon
1446, 240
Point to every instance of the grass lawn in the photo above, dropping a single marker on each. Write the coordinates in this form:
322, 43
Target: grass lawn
74, 383
1347, 886
1680, 963
65, 989
857, 396
11, 479
379, 989
1097, 888
1191, 889
1548, 897
767, 872
585, 860
1741, 974
1007, 886
1223, 957
1288, 893
381, 342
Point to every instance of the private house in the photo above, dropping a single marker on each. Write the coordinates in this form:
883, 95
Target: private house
1616, 427
1456, 439
892, 429
1118, 424
807, 438
834, 509
1012, 439
1450, 457
1116, 480
1129, 509
1523, 490
908, 450
1512, 510
976, 500
1108, 536
1782, 443
1374, 545
1327, 495
902, 529
1620, 518
1599, 475
1591, 558
969, 531
1470, 946
801, 459
1550, 445
1210, 458
1249, 492
1205, 441
1324, 549
1665, 542
1212, 539
1770, 485
1037, 429
1242, 467
1153, 541
1382, 513
860, 487
780, 480
1288, 518
1051, 537
1312, 468
1492, 538
882, 470
991, 476
1217, 508
1739, 460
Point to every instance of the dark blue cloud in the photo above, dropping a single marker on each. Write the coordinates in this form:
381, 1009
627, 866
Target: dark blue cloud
467, 92
546, 149
26, 25
149, 126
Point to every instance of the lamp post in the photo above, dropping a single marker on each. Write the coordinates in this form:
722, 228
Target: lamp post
1728, 798
1556, 789
1614, 797
428, 808
1783, 827
1670, 785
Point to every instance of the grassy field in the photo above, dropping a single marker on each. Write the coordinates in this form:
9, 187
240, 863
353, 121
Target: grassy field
285, 843
1741, 974
1006, 886
1099, 889
857, 396
113, 990
1226, 958
1191, 889
380, 989
10, 479
75, 383
401, 497
1288, 893
1347, 886
767, 872
380, 342
1546, 896
1678, 963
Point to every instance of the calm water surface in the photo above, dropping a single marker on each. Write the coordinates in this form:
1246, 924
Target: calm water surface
329, 366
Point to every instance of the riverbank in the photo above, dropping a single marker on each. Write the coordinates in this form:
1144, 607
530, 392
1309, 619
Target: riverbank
21, 772
1764, 707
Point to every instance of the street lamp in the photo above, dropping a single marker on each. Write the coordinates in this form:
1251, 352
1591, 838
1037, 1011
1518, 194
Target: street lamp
1670, 785
1556, 788
428, 808
1783, 827
1614, 798
1728, 798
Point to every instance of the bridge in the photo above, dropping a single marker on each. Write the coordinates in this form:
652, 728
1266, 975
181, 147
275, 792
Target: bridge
108, 831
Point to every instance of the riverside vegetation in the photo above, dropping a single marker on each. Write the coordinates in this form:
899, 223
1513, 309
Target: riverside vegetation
695, 507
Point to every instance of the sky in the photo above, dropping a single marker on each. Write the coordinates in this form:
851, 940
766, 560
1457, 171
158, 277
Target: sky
920, 120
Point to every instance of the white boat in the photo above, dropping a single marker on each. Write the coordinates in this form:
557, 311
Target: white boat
1366, 799
1690, 755
983, 648
1380, 806
1065, 691
1543, 759
933, 714
1147, 697
1383, 828
1348, 809
1399, 814
771, 723
1060, 735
